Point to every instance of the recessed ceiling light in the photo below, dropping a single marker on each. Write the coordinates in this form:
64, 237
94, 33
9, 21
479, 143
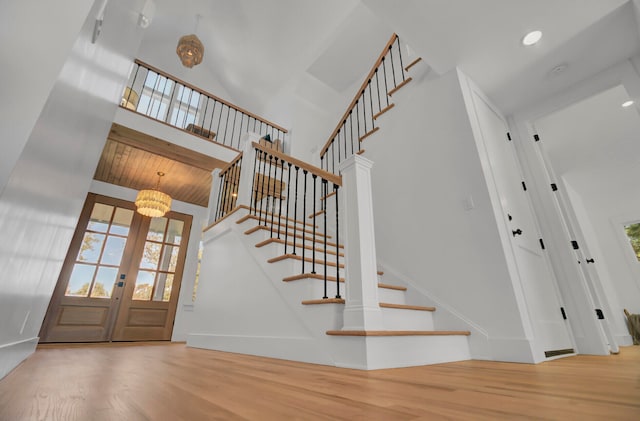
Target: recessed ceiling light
627, 104
531, 38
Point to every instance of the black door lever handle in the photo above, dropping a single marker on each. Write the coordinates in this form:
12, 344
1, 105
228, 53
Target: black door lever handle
517, 232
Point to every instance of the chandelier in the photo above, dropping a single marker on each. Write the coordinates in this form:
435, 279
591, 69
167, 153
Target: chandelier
190, 48
152, 202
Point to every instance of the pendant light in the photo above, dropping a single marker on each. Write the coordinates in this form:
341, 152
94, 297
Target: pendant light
153, 202
190, 48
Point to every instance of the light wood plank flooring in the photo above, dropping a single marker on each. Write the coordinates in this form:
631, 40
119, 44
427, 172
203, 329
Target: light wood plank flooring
174, 382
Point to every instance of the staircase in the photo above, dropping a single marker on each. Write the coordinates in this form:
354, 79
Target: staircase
289, 267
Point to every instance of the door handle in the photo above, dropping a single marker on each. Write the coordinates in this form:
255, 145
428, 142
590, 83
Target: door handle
517, 232
590, 260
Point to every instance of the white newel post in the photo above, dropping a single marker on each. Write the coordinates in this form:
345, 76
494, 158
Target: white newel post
246, 170
214, 196
362, 310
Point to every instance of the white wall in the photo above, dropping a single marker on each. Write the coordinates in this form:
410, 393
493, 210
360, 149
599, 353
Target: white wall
185, 301
33, 49
426, 166
48, 183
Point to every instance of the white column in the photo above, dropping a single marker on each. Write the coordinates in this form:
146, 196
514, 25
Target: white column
214, 195
246, 170
362, 311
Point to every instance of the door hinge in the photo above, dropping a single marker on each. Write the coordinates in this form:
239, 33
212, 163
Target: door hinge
564, 315
536, 137
554, 187
524, 186
509, 136
600, 314
541, 244
574, 244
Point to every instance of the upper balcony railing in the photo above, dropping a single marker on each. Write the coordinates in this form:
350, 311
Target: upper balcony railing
156, 94
371, 101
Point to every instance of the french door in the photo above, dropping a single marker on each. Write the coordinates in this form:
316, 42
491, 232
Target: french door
121, 278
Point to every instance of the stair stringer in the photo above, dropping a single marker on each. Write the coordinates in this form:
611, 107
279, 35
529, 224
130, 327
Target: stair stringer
243, 305
446, 317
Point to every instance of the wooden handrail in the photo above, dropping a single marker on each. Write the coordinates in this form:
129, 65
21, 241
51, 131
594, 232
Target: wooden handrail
227, 103
230, 164
362, 87
335, 179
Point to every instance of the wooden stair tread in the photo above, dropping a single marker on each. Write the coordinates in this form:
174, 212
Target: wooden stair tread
319, 236
380, 273
319, 240
324, 301
320, 212
289, 243
268, 216
398, 332
283, 220
360, 152
384, 110
310, 276
306, 259
369, 133
413, 63
389, 286
407, 307
328, 196
400, 85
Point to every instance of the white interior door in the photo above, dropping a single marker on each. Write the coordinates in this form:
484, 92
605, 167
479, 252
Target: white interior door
538, 283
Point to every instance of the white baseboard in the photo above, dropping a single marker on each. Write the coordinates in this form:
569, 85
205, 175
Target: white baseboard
624, 340
285, 348
517, 350
12, 354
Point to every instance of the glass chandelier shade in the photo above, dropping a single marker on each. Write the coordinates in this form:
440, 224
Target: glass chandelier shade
152, 202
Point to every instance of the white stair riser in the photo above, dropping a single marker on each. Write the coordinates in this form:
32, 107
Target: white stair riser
394, 296
402, 319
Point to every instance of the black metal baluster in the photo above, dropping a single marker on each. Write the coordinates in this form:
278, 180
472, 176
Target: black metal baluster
153, 91
186, 114
225, 193
233, 128
254, 192
337, 141
351, 129
226, 125
400, 56
167, 118
358, 122
273, 197
280, 208
180, 101
304, 215
217, 214
393, 69
254, 124
263, 157
286, 225
133, 83
373, 124
378, 91
313, 242
333, 157
267, 182
325, 192
322, 161
386, 89
335, 189
364, 111
164, 88
206, 108
344, 134
295, 214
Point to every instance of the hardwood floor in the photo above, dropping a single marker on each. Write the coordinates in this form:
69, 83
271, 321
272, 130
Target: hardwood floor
163, 381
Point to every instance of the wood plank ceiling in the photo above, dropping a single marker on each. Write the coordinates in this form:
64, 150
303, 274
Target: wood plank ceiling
132, 159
